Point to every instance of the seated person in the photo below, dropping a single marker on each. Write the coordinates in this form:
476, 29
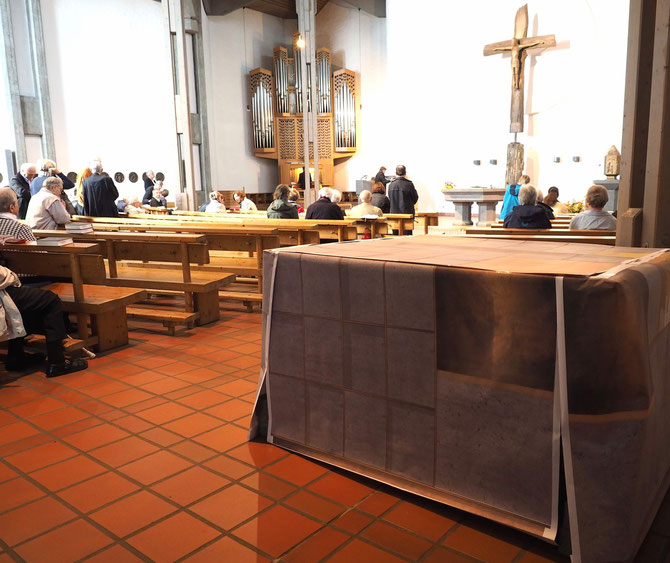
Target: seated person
122, 204
9, 211
46, 209
552, 201
379, 198
164, 193
335, 196
540, 203
594, 217
245, 203
30, 310
216, 204
324, 208
157, 199
365, 207
47, 168
293, 197
511, 197
134, 207
527, 215
281, 207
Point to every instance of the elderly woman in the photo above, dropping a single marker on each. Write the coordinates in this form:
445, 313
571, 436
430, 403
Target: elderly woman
245, 203
46, 209
379, 198
511, 197
216, 204
594, 217
527, 215
281, 207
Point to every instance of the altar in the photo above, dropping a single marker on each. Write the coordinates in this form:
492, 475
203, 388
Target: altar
510, 379
485, 198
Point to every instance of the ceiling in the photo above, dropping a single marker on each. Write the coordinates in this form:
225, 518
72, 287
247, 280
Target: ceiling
285, 8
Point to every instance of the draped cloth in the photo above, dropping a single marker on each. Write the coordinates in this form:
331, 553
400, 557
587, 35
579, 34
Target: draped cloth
11, 324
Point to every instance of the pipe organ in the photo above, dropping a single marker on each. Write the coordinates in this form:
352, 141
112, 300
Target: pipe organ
276, 112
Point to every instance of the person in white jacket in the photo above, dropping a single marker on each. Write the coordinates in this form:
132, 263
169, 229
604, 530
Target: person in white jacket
46, 209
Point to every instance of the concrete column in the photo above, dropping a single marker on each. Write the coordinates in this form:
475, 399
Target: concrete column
463, 213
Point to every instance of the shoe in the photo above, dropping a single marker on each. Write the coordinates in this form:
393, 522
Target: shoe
68, 366
24, 362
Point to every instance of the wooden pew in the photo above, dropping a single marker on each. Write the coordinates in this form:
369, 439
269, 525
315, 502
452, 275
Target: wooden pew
425, 219
557, 235
86, 297
400, 222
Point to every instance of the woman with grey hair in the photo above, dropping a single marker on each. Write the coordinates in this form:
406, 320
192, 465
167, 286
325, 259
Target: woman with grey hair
46, 209
47, 168
527, 215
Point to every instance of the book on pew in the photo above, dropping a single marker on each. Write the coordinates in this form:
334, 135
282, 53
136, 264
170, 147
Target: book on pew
79, 227
55, 241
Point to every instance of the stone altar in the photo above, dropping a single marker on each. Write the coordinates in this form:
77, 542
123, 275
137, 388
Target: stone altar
485, 198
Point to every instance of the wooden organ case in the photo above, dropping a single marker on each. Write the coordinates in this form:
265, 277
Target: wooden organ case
276, 113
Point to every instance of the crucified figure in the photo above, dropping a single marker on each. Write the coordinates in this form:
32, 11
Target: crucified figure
518, 47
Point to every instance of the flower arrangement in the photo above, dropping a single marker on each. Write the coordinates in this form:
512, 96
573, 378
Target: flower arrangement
448, 186
576, 206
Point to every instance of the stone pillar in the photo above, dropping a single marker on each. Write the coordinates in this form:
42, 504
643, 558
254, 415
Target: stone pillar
487, 213
515, 163
30, 112
463, 213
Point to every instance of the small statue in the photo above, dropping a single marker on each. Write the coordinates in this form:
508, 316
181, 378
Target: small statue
612, 163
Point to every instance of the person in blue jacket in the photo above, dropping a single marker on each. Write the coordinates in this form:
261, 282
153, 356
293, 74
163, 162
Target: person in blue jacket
511, 197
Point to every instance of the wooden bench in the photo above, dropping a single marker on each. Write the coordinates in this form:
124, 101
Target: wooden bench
104, 308
555, 235
400, 222
425, 219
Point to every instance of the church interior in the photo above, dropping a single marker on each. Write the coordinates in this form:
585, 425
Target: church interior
252, 359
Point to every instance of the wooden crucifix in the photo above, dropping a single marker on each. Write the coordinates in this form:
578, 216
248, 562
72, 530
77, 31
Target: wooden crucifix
519, 47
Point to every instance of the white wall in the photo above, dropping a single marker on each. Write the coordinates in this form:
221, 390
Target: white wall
111, 87
234, 45
433, 102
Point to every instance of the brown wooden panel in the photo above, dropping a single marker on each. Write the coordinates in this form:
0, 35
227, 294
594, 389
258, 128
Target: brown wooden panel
198, 253
54, 265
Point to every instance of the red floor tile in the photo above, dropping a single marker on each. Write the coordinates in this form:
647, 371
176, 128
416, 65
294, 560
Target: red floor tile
132, 513
377, 503
145, 405
97, 492
229, 467
58, 418
142, 378
174, 368
68, 543
190, 485
106, 388
41, 456
442, 555
340, 489
353, 521
16, 431
223, 438
96, 437
164, 413
115, 554
240, 504
224, 550
277, 530
173, 538
231, 410
307, 503
75, 427
193, 424
33, 519
236, 388
257, 454
192, 451
67, 473
155, 467
396, 540
123, 451
268, 485
204, 399
161, 437
317, 547
13, 396
296, 469
6, 473
24, 444
164, 385
420, 521
358, 550
127, 397
483, 546
8, 418
16, 492
132, 423
199, 375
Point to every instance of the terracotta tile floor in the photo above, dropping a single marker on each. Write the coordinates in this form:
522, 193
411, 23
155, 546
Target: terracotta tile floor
144, 457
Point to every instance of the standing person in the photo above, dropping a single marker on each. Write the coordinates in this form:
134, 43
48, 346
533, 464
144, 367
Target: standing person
511, 197
99, 193
79, 190
381, 176
594, 217
402, 194
20, 184
281, 207
46, 209
379, 198
324, 208
149, 184
245, 203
